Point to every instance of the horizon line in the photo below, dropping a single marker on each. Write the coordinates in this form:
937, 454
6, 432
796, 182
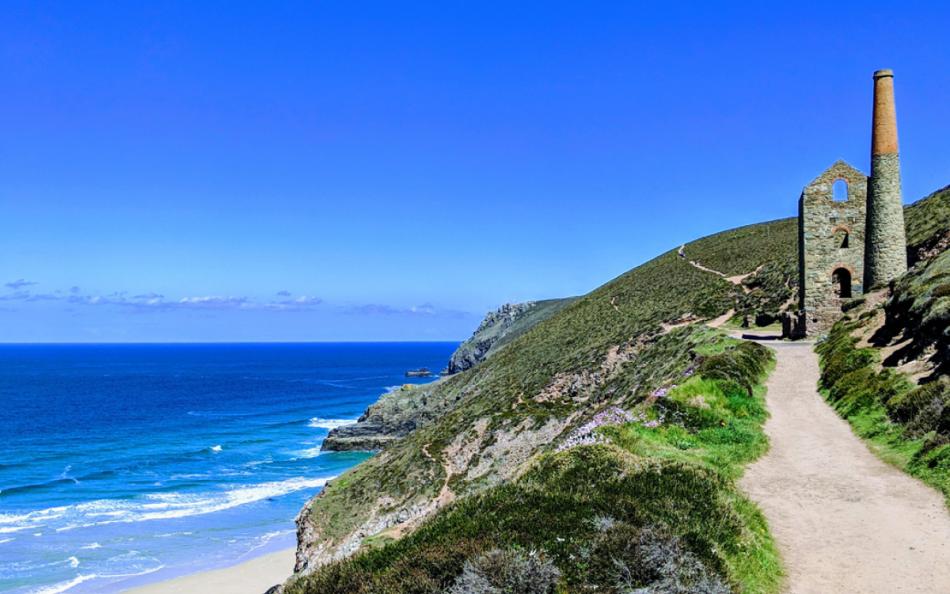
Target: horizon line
220, 342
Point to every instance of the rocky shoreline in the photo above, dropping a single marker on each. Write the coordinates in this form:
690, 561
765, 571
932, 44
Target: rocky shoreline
389, 419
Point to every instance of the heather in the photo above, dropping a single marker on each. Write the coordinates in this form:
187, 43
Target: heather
614, 372
630, 498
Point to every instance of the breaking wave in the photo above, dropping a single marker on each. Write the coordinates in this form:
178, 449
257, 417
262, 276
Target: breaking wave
63, 586
153, 506
319, 423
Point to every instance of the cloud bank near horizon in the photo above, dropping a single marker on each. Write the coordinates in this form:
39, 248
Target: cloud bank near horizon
21, 291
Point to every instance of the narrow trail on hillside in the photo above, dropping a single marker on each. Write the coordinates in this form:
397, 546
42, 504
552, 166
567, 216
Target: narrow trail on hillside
844, 520
735, 279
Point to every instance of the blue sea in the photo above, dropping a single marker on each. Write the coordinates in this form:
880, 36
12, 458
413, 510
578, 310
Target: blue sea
124, 464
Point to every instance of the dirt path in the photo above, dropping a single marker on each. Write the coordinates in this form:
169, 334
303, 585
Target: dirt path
844, 520
736, 279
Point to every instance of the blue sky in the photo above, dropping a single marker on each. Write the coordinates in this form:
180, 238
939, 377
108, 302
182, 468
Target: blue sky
358, 171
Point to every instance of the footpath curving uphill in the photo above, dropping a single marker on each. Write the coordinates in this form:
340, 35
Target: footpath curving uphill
844, 520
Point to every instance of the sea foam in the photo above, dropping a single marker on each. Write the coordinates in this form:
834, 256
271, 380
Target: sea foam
63, 586
318, 423
153, 506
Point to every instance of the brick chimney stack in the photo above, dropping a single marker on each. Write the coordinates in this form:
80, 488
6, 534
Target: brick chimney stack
885, 251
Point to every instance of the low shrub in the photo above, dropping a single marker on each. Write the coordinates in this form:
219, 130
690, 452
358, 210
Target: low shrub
910, 425
923, 409
745, 364
628, 559
507, 571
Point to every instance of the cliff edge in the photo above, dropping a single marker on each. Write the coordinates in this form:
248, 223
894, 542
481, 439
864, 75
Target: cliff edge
499, 328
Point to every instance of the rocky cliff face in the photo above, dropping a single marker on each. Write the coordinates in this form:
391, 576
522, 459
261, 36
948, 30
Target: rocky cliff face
392, 417
401, 411
478, 434
500, 327
482, 427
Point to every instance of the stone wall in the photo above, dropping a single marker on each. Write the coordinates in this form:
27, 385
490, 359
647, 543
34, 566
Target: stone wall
886, 249
831, 239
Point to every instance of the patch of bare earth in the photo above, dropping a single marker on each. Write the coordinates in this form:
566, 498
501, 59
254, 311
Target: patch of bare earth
721, 320
915, 368
844, 521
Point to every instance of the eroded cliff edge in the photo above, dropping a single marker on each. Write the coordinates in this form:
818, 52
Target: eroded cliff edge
622, 346
500, 327
404, 409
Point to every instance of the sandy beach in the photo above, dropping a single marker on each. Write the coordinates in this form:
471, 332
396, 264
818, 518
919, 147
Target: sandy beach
252, 577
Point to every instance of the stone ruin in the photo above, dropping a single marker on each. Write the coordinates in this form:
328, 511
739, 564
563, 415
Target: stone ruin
853, 240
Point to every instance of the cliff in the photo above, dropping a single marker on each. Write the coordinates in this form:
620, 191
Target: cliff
392, 417
499, 328
612, 429
409, 407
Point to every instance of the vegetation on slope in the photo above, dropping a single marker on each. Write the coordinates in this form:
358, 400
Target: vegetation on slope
610, 348
769, 251
885, 365
602, 349
927, 224
908, 424
500, 327
651, 503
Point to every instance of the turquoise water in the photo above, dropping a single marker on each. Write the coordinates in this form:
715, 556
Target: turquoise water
123, 464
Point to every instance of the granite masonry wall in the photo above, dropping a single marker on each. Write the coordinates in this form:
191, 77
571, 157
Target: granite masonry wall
831, 247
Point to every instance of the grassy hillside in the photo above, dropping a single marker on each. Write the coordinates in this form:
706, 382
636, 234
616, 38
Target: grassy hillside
885, 369
605, 349
927, 222
541, 311
503, 420
636, 488
501, 327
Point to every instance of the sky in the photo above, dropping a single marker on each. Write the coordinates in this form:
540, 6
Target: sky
237, 171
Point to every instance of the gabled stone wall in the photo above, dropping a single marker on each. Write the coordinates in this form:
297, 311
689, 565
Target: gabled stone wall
823, 224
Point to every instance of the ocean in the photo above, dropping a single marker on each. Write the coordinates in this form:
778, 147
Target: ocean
125, 464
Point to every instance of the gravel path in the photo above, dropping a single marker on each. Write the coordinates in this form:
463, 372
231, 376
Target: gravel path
845, 521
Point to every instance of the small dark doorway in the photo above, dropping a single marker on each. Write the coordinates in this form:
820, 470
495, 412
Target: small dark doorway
841, 283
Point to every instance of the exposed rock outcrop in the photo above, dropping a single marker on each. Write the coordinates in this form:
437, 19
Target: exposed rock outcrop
500, 327
390, 418
405, 409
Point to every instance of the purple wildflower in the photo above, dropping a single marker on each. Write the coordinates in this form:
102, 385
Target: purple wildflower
584, 435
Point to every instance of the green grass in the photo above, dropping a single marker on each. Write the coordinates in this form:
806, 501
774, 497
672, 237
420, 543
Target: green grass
573, 343
906, 425
719, 427
676, 480
927, 218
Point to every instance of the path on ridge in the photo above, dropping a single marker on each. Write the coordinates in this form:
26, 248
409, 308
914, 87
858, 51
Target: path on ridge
844, 520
